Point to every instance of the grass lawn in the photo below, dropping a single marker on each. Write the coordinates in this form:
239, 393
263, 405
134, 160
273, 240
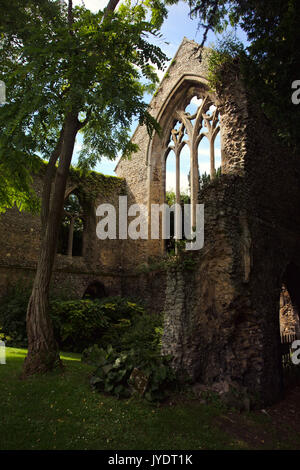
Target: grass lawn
60, 411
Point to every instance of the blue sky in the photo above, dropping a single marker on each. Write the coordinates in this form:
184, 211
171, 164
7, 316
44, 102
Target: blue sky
177, 25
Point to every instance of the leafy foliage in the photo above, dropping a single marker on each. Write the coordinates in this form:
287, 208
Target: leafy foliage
54, 63
130, 326
115, 368
13, 307
115, 321
271, 62
135, 334
113, 372
171, 198
78, 323
92, 355
136, 345
144, 336
226, 51
204, 178
161, 377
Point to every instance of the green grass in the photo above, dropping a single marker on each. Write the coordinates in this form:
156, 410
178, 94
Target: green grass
60, 411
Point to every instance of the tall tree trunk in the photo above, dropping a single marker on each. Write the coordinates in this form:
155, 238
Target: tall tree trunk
43, 353
71, 237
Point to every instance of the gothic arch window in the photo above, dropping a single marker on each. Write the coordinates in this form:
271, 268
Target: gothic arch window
195, 119
71, 232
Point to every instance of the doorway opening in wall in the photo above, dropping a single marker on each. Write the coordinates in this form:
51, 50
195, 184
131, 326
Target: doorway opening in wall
289, 323
95, 290
70, 240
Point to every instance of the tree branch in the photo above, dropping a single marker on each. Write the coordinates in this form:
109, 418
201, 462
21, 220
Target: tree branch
111, 6
48, 179
70, 12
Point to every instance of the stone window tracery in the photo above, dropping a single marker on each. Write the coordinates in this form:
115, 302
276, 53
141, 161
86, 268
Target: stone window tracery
194, 120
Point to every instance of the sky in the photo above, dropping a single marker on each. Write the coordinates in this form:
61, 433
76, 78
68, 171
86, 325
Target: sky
177, 26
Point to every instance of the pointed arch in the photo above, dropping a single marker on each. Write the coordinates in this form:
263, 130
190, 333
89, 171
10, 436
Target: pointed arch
181, 127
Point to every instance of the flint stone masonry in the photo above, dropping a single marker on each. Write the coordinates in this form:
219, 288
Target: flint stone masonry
222, 319
221, 315
100, 260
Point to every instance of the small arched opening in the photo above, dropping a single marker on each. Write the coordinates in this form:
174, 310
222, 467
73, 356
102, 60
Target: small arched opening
95, 290
289, 309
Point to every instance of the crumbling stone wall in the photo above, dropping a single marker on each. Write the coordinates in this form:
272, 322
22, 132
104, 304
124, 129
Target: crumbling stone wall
149, 287
222, 320
101, 259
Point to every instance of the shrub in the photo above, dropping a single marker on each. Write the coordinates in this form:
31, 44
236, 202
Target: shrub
143, 335
113, 372
226, 51
92, 355
121, 312
118, 308
137, 346
78, 323
115, 368
13, 307
161, 377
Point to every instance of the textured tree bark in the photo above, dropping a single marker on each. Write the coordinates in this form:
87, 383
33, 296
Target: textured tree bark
70, 237
43, 353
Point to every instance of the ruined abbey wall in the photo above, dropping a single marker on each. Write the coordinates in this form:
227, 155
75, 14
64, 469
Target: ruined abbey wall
101, 260
222, 313
144, 171
222, 318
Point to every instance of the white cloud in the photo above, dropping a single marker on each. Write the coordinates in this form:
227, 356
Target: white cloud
171, 181
204, 168
196, 101
205, 152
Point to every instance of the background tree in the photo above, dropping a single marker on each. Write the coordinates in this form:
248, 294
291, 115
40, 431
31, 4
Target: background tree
271, 63
70, 240
68, 70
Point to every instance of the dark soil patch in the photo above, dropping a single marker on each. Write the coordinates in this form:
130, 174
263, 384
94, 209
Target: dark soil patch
275, 427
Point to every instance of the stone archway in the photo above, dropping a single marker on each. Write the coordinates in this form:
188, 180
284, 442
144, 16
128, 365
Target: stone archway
291, 280
221, 318
95, 290
179, 129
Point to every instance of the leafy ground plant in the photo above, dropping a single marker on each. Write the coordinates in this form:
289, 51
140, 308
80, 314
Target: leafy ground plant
114, 373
